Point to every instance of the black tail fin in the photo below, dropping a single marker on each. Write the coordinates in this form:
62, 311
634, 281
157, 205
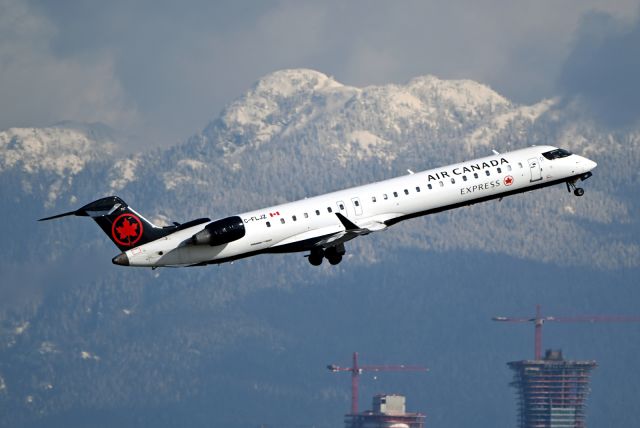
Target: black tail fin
125, 227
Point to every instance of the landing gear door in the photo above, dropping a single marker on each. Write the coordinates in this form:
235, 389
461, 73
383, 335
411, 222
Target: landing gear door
536, 170
357, 206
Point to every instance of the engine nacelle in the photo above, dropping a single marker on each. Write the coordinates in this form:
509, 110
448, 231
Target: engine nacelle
220, 232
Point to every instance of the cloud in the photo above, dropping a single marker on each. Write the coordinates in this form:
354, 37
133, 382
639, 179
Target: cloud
602, 72
39, 88
167, 69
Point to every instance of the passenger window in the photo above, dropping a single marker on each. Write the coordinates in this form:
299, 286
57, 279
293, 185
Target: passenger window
294, 218
406, 192
395, 194
306, 215
464, 178
508, 167
268, 224
441, 183
418, 189
317, 212
281, 220
475, 175
429, 186
487, 172
453, 181
499, 170
356, 203
385, 196
373, 199
520, 164
329, 209
341, 207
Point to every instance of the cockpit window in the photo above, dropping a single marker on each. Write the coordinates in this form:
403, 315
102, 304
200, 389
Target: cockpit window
556, 154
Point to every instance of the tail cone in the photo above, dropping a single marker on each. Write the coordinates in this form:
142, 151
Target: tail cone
121, 259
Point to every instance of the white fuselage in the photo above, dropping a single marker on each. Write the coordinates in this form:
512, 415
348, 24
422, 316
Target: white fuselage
301, 225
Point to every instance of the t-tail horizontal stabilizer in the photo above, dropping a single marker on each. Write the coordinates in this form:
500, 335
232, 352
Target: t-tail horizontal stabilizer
61, 215
101, 207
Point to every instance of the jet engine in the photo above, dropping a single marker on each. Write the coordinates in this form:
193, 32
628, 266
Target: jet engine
220, 232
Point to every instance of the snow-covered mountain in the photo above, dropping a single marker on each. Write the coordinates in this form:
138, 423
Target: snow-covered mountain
295, 133
300, 132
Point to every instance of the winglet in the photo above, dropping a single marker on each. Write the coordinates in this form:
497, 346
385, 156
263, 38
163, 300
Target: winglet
348, 224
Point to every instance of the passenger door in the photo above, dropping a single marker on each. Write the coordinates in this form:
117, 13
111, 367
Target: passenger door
536, 170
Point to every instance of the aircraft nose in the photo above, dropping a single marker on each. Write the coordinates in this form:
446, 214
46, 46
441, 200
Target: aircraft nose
121, 259
591, 164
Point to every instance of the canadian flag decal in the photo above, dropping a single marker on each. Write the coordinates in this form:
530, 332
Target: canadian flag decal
274, 214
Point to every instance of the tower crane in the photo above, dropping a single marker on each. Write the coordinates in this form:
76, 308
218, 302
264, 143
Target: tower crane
538, 321
356, 370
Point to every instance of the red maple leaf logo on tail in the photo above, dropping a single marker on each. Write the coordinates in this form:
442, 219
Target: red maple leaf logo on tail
127, 230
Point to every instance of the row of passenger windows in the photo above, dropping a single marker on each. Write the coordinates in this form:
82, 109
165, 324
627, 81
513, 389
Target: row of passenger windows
306, 215
441, 182
395, 194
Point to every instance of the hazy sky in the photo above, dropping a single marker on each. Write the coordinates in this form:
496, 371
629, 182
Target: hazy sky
162, 70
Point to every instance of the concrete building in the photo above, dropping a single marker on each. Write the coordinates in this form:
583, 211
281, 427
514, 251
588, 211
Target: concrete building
552, 391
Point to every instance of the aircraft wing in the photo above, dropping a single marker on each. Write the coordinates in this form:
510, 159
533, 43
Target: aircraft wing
351, 230
342, 231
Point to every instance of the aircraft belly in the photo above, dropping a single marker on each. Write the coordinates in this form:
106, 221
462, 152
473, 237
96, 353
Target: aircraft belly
311, 234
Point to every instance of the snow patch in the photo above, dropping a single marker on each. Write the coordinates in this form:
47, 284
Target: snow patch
21, 328
465, 94
485, 135
277, 101
61, 152
47, 348
285, 83
85, 355
124, 172
175, 179
406, 104
57, 150
192, 163
363, 144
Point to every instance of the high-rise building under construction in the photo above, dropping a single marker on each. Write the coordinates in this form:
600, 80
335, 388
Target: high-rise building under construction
552, 391
389, 411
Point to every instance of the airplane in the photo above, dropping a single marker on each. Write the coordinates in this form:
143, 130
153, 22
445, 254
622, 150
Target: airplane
321, 225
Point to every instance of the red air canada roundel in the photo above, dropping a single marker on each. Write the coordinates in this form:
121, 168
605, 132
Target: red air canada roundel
508, 180
126, 229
